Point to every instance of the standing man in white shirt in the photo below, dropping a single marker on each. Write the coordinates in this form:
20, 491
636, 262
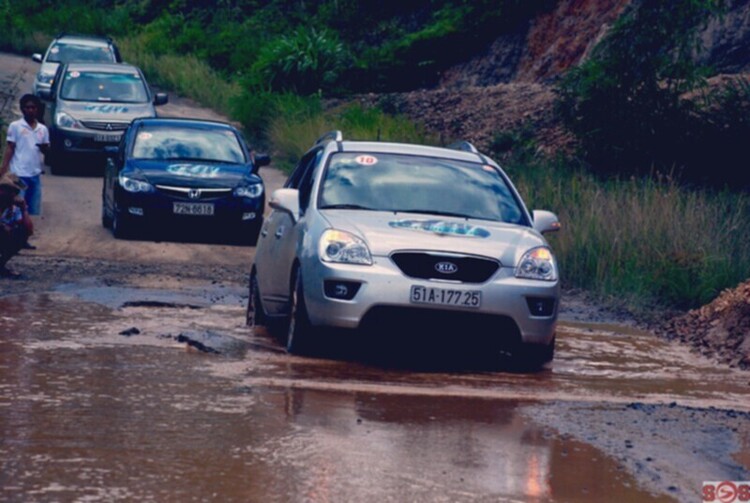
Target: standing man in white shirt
27, 141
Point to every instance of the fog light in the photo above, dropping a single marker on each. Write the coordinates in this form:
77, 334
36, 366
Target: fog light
248, 216
136, 211
540, 306
67, 143
342, 290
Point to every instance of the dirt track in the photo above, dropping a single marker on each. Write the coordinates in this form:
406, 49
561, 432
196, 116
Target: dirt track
70, 224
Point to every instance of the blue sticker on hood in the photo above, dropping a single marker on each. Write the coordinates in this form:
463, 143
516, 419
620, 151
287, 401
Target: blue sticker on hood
107, 109
442, 227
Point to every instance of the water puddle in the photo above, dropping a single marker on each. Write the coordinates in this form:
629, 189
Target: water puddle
110, 393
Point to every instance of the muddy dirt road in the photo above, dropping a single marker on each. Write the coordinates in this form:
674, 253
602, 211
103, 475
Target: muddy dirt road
127, 374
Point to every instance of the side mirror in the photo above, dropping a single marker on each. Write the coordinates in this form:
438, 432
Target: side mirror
261, 160
161, 99
286, 200
37, 57
546, 221
45, 94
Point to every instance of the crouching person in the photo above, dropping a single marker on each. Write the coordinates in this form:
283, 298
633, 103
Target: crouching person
15, 222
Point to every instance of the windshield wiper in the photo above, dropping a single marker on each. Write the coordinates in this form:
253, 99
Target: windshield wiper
344, 207
195, 159
437, 212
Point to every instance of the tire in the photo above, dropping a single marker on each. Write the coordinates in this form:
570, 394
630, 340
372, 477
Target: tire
121, 227
299, 330
255, 316
56, 162
534, 356
106, 219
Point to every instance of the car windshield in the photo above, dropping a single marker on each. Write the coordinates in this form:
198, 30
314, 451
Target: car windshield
416, 184
64, 53
188, 144
102, 86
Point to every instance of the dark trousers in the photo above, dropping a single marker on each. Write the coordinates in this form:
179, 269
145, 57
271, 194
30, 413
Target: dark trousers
11, 243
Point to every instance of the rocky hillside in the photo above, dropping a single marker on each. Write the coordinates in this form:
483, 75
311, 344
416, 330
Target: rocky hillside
511, 83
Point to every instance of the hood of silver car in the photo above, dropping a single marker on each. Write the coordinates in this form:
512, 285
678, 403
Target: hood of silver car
386, 232
108, 111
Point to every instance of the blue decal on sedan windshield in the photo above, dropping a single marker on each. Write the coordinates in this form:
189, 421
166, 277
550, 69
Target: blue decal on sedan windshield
194, 170
107, 109
442, 227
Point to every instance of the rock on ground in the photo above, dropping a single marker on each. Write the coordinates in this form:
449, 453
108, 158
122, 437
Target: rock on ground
720, 329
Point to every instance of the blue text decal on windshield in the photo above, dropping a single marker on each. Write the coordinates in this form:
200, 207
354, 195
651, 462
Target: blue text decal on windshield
194, 170
107, 109
442, 227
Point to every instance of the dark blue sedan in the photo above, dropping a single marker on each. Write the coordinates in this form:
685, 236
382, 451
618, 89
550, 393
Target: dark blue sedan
168, 172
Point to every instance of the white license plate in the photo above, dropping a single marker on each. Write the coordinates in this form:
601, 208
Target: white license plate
193, 209
107, 138
445, 297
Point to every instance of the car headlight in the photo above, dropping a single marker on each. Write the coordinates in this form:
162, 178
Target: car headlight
537, 263
66, 121
133, 185
343, 247
45, 78
254, 190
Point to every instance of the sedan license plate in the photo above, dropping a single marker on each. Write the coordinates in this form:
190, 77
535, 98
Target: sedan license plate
107, 138
201, 209
446, 297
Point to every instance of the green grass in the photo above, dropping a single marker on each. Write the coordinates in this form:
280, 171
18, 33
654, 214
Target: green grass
183, 74
296, 127
641, 243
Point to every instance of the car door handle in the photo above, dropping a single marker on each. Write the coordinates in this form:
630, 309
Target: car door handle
279, 232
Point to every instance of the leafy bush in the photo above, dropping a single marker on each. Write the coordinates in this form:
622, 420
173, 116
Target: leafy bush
626, 103
304, 62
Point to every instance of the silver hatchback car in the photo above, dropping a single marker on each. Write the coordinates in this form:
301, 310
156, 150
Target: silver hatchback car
373, 234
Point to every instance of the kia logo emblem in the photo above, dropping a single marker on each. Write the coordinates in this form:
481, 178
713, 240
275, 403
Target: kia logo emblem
446, 267
194, 194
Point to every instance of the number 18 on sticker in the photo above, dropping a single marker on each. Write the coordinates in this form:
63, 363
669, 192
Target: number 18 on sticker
726, 491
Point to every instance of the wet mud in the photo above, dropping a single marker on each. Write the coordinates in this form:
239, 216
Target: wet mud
136, 393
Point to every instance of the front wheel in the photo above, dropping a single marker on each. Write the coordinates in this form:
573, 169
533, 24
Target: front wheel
535, 355
121, 227
299, 329
255, 315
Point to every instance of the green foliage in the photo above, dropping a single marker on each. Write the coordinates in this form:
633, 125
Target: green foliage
296, 125
303, 62
640, 243
626, 103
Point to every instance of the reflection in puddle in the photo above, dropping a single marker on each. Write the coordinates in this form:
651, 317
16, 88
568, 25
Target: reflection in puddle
87, 414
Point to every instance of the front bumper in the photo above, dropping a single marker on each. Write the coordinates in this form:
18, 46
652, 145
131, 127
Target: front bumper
82, 143
383, 291
154, 208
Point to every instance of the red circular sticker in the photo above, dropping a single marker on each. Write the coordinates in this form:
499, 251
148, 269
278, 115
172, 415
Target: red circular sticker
367, 160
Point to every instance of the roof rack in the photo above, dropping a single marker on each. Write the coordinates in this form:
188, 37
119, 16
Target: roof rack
465, 146
334, 135
84, 35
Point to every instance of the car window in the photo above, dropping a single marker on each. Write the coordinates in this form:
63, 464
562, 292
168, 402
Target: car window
62, 52
407, 183
174, 143
295, 179
102, 86
306, 183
